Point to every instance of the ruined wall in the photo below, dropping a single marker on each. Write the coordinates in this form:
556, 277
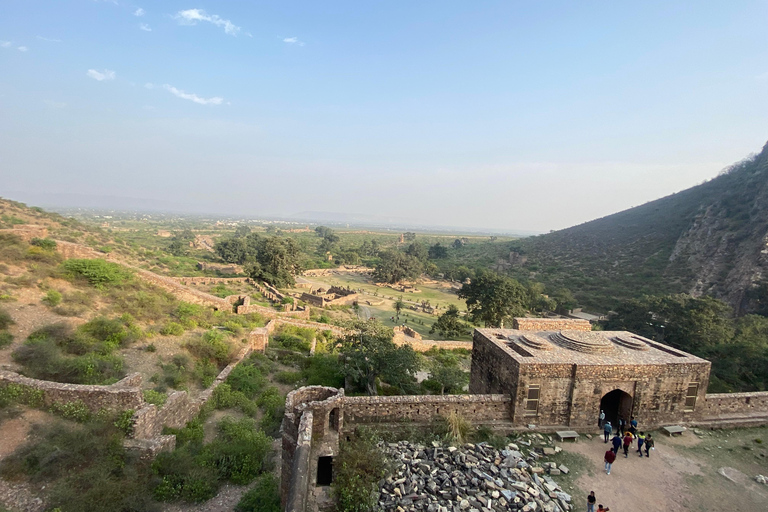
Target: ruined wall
313, 300
70, 250
734, 409
197, 281
551, 324
404, 329
182, 292
492, 371
424, 408
218, 267
122, 395
259, 337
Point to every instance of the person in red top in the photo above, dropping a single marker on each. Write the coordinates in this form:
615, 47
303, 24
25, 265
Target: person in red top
627, 442
610, 457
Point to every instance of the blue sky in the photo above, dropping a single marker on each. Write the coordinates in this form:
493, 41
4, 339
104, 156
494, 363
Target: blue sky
509, 115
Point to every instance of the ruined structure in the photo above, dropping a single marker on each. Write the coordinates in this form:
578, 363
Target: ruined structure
555, 374
335, 295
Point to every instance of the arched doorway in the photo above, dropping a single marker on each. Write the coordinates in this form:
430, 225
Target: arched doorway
615, 404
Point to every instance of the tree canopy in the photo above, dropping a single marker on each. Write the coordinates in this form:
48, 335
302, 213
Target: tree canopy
370, 354
493, 298
449, 324
274, 259
396, 266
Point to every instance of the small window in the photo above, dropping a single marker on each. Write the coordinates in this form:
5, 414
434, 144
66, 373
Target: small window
690, 396
532, 401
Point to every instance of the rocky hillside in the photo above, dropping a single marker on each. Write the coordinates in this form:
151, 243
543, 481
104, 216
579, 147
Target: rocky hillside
709, 239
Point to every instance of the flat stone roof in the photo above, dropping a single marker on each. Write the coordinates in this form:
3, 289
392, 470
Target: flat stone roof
584, 347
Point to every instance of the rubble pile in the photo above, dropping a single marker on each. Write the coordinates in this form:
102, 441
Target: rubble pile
472, 478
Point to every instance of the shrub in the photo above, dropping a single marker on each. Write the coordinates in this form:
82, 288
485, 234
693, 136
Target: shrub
240, 451
52, 298
155, 397
221, 290
247, 379
75, 410
213, 347
458, 428
263, 497
5, 319
44, 243
286, 377
15, 393
124, 422
99, 273
172, 329
6, 339
359, 467
182, 478
323, 370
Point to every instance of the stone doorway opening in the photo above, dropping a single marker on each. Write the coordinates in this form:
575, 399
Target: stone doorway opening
333, 420
616, 404
324, 470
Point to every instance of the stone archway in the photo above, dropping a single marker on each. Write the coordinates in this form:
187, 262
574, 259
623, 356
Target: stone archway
615, 404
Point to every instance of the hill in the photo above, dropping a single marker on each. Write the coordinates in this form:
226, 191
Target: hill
707, 240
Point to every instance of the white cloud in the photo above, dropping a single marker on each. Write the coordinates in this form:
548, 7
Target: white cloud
145, 27
192, 16
49, 39
101, 75
139, 12
5, 44
193, 97
293, 40
22, 48
149, 85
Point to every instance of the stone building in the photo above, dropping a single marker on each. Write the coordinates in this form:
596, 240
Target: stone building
565, 377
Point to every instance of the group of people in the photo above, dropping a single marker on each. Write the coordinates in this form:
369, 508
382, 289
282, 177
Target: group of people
626, 433
591, 501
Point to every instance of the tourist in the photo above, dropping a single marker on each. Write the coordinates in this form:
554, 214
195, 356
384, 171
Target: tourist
601, 419
627, 442
633, 425
609, 457
648, 445
622, 424
591, 500
640, 441
607, 429
616, 443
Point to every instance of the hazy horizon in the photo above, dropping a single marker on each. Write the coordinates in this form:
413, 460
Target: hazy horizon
498, 115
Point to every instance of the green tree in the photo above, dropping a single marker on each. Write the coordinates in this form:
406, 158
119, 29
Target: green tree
276, 261
438, 251
449, 324
492, 298
369, 354
399, 305
396, 266
418, 251
242, 231
179, 245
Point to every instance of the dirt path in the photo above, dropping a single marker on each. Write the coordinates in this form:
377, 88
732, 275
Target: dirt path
672, 479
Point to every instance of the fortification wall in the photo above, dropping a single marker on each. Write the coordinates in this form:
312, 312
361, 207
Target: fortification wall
425, 345
425, 408
551, 324
182, 292
122, 395
407, 331
198, 281
733, 409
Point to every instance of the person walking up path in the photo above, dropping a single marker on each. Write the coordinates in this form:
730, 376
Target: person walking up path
591, 500
640, 441
627, 442
649, 442
616, 443
609, 457
607, 429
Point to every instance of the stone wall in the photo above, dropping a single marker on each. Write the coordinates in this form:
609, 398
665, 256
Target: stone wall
259, 337
218, 267
404, 329
551, 324
425, 408
123, 395
425, 345
71, 250
734, 409
182, 292
197, 281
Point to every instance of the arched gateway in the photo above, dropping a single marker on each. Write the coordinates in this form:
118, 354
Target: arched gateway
616, 404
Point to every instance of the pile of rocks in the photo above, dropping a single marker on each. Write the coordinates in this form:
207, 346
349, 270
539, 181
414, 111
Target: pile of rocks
471, 478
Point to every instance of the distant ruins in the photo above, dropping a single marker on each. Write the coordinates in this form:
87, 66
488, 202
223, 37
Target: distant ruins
553, 374
335, 295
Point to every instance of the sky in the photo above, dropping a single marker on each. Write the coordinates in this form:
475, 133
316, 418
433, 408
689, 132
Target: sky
516, 115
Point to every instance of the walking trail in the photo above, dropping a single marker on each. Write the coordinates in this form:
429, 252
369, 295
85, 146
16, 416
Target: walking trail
667, 481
